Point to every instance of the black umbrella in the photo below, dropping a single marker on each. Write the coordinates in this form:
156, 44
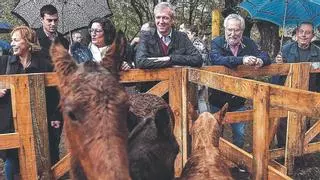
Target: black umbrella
73, 14
5, 27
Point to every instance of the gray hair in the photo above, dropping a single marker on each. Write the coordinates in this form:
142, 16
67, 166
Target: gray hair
163, 5
236, 17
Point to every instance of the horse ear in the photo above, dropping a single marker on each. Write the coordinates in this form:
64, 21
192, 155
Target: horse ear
162, 120
221, 114
64, 64
114, 56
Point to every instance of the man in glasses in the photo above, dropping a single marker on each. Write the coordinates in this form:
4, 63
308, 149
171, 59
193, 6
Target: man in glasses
302, 50
232, 50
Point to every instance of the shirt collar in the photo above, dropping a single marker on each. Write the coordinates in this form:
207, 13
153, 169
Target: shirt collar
50, 36
160, 35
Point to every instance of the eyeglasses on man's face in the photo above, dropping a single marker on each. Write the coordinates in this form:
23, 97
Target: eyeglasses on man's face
95, 31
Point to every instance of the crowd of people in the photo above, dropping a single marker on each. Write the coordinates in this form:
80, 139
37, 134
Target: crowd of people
159, 45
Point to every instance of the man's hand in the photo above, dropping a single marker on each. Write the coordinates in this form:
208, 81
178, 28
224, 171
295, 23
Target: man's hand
279, 59
249, 60
55, 124
259, 63
125, 66
3, 92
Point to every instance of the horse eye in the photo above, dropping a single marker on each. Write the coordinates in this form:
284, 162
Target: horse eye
72, 116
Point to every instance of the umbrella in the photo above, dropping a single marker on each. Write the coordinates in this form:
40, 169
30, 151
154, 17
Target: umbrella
73, 14
5, 27
284, 12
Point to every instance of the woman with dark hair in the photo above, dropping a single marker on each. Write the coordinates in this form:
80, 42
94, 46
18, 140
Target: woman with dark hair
102, 33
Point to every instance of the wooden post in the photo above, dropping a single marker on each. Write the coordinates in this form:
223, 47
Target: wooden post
27, 156
299, 78
175, 101
215, 29
261, 104
40, 125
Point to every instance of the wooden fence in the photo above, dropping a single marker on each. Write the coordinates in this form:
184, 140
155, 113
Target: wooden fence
269, 103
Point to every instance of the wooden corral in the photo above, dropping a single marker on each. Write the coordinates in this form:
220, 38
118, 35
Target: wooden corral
269, 103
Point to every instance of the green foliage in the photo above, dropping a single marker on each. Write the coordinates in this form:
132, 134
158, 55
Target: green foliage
6, 6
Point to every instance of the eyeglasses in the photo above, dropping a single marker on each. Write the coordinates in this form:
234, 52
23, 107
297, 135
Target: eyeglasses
96, 31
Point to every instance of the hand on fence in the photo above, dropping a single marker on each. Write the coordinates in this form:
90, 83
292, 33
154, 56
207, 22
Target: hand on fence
249, 60
3, 92
279, 59
125, 66
55, 124
259, 63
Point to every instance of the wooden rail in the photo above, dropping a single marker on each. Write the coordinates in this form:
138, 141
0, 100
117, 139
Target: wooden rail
269, 102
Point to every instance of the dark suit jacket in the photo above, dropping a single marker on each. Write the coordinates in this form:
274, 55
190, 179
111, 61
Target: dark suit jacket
181, 51
45, 42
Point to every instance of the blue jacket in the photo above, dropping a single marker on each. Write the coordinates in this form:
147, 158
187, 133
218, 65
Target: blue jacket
290, 54
222, 55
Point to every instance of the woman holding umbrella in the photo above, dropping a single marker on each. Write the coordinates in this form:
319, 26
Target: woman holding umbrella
25, 59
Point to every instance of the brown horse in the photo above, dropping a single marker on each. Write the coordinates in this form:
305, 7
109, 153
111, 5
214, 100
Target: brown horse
95, 108
205, 161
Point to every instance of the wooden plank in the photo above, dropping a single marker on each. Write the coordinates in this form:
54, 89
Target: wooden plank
160, 89
312, 147
9, 141
299, 78
250, 71
301, 101
279, 167
312, 132
260, 132
185, 90
143, 75
175, 101
61, 167
27, 156
40, 125
242, 116
239, 156
51, 79
276, 153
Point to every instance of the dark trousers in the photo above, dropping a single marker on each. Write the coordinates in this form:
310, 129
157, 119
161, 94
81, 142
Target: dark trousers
54, 141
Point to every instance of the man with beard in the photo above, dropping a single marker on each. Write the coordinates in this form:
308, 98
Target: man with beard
298, 51
46, 35
232, 50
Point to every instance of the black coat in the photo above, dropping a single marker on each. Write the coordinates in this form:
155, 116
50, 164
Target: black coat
45, 42
181, 51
